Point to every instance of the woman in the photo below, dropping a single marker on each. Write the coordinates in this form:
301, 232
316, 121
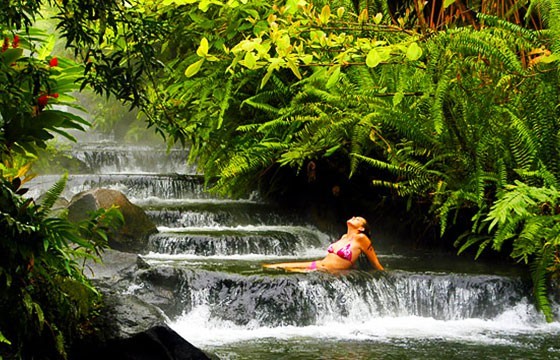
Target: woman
341, 255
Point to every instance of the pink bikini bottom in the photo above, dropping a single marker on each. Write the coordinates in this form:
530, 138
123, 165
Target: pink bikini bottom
313, 266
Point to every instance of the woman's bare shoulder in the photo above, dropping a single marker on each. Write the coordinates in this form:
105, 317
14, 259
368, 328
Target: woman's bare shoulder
363, 240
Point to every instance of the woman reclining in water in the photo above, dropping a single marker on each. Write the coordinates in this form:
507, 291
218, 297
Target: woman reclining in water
342, 254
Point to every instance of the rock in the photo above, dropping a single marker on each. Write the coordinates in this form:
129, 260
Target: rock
112, 267
129, 328
158, 342
129, 325
133, 235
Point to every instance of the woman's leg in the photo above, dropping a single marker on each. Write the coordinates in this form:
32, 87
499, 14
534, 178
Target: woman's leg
292, 265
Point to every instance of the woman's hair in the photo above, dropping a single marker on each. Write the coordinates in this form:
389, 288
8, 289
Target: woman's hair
367, 229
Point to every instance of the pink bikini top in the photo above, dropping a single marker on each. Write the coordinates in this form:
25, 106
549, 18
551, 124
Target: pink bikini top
343, 252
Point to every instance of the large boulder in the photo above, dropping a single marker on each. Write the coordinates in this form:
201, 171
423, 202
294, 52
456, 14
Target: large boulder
157, 343
129, 328
133, 235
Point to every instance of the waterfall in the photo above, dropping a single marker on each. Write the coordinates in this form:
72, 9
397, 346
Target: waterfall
204, 268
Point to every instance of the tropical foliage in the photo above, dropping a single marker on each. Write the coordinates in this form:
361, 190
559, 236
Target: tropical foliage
450, 103
457, 114
45, 298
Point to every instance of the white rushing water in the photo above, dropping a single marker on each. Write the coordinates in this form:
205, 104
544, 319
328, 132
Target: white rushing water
202, 330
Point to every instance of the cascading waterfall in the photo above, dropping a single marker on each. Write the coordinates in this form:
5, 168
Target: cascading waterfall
209, 252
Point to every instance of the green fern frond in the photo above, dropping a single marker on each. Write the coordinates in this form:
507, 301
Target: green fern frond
516, 30
517, 201
224, 103
523, 143
275, 126
248, 128
470, 43
261, 106
507, 232
540, 276
53, 194
482, 241
454, 201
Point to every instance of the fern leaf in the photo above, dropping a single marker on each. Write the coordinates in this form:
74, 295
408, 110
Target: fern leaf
53, 194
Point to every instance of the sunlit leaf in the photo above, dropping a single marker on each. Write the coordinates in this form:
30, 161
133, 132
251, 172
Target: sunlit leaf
292, 65
178, 2
325, 14
202, 50
9, 56
362, 18
340, 12
47, 48
448, 3
397, 98
249, 60
193, 68
333, 79
414, 52
373, 58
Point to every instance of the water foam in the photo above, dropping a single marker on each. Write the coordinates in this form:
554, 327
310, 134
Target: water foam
199, 328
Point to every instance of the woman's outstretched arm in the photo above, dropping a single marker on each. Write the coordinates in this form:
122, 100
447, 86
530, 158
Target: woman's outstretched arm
367, 248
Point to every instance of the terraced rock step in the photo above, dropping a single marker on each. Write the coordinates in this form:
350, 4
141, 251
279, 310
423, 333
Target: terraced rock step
217, 212
110, 157
134, 186
263, 240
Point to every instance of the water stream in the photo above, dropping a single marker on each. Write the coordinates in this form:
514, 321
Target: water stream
425, 306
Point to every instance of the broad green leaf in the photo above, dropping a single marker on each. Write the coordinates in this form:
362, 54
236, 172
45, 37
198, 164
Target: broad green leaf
204, 5
397, 98
292, 65
47, 48
11, 55
267, 76
193, 68
254, 13
548, 59
4, 340
250, 60
414, 52
447, 3
340, 12
332, 150
362, 18
373, 59
307, 59
283, 42
260, 27
291, 6
333, 79
202, 50
325, 14
178, 2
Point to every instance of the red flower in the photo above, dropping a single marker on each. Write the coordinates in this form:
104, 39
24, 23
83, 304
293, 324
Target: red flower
53, 62
55, 95
6, 44
42, 101
15, 43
